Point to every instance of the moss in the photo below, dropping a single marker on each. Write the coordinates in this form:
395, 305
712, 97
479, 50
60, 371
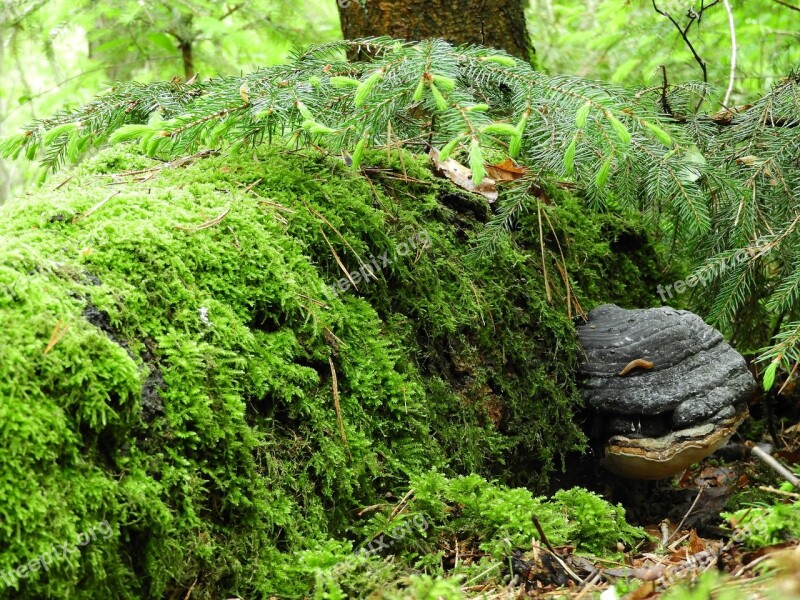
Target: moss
166, 341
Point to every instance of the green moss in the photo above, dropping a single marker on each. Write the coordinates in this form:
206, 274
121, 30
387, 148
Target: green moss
186, 398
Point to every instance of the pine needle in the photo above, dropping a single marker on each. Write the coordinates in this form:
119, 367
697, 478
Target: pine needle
337, 406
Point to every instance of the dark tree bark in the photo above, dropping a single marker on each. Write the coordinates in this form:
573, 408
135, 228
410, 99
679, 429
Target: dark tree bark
499, 23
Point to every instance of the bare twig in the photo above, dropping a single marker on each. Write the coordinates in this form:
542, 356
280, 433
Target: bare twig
552, 550
684, 31
99, 205
772, 490
733, 53
58, 334
686, 516
664, 101
787, 5
338, 407
771, 462
207, 224
339, 261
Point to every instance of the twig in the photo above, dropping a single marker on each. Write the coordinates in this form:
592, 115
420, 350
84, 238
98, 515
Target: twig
552, 550
401, 505
787, 5
541, 246
684, 34
58, 334
207, 224
191, 587
341, 237
733, 53
339, 261
686, 516
98, 206
63, 183
789, 378
664, 101
254, 184
771, 462
338, 407
773, 490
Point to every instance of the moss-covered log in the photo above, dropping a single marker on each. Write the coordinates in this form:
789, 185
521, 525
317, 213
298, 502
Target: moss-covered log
168, 344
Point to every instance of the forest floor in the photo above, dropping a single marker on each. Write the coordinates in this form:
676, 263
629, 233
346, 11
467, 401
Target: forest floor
697, 550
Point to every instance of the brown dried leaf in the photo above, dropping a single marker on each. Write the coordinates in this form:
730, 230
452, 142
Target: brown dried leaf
507, 170
462, 176
696, 543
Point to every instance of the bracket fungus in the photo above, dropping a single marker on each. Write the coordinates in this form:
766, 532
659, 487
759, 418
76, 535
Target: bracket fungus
666, 388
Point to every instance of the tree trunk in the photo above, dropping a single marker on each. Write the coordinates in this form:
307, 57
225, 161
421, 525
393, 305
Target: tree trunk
499, 24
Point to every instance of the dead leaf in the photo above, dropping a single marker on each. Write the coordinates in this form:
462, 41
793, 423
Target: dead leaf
696, 543
462, 176
507, 170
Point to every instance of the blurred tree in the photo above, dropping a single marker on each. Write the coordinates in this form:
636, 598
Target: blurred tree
498, 24
626, 42
58, 53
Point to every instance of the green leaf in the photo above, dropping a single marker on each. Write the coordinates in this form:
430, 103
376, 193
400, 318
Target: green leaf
319, 128
476, 162
619, 128
344, 82
441, 102
420, 90
602, 175
304, 112
73, 146
30, 151
569, 155
126, 133
522, 123
583, 114
505, 61
500, 129
661, 135
449, 147
56, 132
155, 144
358, 153
446, 83
478, 108
11, 146
163, 41
515, 145
769, 374
366, 86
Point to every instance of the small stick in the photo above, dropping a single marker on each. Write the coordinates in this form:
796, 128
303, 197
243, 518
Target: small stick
63, 183
686, 516
401, 505
254, 184
339, 261
338, 408
207, 224
771, 462
773, 490
552, 550
58, 334
97, 206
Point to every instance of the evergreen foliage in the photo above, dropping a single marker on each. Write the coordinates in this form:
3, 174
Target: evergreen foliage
714, 184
